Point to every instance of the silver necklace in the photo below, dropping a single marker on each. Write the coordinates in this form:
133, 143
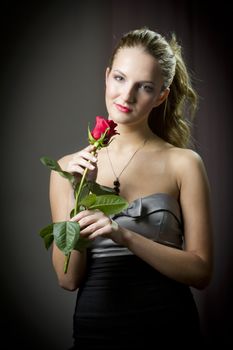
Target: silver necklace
116, 182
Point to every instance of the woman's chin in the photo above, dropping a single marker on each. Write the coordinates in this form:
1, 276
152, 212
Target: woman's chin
120, 117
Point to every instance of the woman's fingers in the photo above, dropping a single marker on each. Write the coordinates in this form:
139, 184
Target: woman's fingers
78, 165
81, 160
86, 155
90, 148
93, 223
86, 217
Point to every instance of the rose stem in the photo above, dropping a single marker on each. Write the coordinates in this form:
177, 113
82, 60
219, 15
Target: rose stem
67, 257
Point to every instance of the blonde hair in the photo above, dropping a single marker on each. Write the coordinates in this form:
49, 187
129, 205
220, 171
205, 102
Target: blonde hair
168, 120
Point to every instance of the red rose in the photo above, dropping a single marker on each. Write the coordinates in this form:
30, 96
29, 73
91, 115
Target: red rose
103, 130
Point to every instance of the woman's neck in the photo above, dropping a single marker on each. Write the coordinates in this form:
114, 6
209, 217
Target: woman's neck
130, 137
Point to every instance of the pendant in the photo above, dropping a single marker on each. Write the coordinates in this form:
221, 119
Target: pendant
116, 188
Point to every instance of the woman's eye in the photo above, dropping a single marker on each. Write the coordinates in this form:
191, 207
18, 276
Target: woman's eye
118, 78
147, 88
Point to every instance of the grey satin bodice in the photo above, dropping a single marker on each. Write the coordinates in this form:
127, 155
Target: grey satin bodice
157, 217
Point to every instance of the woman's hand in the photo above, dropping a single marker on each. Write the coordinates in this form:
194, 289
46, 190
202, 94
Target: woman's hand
94, 223
81, 160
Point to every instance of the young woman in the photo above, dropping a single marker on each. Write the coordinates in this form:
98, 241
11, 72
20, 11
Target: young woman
134, 279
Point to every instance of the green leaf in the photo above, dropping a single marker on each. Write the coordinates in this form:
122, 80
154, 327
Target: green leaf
53, 165
99, 189
82, 244
48, 240
90, 137
46, 230
72, 213
88, 201
83, 192
47, 234
110, 204
66, 235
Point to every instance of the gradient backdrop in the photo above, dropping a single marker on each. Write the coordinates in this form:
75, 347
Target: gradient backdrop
53, 61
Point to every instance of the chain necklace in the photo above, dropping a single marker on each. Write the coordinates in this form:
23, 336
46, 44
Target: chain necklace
116, 182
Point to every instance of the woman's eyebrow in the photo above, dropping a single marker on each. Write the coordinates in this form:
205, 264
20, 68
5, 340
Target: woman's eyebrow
141, 81
118, 71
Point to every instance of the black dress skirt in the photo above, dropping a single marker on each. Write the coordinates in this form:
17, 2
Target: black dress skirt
123, 302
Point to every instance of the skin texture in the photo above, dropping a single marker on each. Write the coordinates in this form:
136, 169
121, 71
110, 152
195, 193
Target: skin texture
135, 82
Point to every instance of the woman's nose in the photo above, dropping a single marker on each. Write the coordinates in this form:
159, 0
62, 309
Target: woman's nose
129, 94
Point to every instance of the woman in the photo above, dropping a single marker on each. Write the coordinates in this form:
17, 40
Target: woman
134, 279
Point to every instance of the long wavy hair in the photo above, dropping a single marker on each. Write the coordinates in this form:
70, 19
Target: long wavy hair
172, 119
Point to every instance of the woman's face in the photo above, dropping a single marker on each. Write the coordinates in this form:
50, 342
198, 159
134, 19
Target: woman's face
133, 86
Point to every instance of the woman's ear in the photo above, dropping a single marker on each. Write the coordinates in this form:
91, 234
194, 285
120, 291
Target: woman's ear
162, 97
107, 74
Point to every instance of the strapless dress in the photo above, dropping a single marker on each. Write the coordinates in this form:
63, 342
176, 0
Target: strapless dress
124, 303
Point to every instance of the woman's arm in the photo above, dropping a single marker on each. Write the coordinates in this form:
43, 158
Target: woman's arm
62, 202
193, 265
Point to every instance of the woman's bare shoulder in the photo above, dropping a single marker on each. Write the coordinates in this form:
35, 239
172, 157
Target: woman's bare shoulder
188, 166
183, 157
177, 154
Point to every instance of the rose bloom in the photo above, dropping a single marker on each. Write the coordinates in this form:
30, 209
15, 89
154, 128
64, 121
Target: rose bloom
101, 125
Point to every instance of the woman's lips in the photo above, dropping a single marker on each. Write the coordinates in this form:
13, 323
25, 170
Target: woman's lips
123, 108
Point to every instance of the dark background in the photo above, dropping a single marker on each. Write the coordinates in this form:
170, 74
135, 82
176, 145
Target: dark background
53, 60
